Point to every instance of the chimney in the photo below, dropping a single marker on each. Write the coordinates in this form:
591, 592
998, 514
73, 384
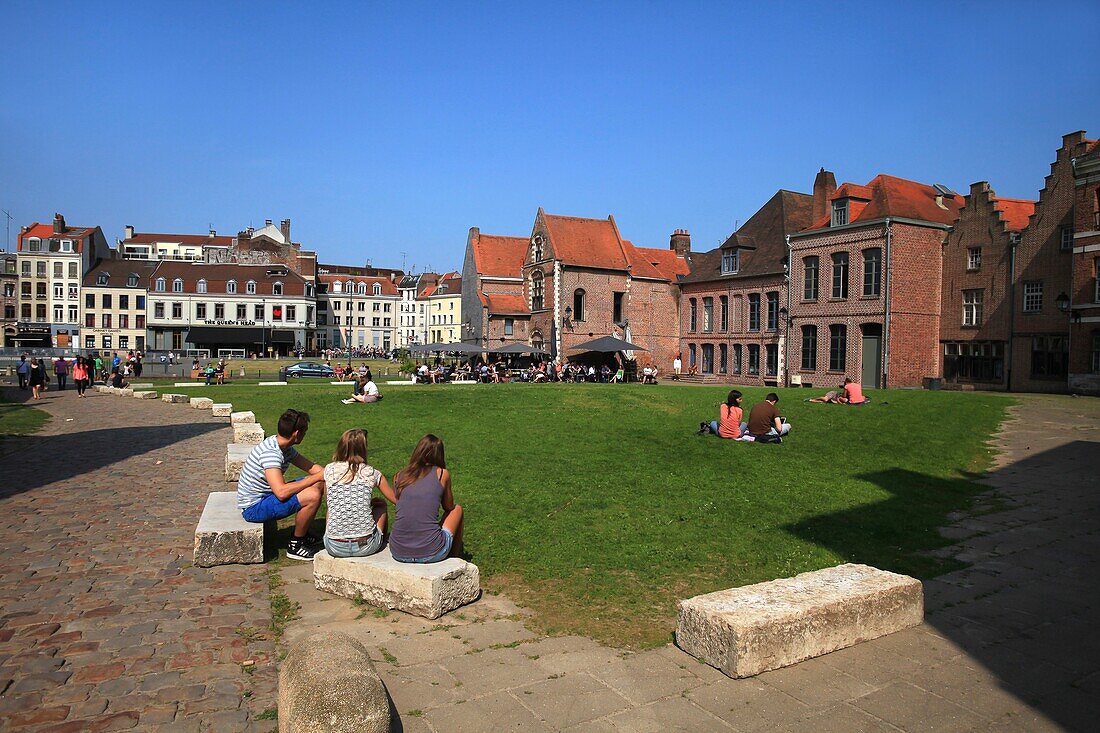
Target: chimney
267, 222
58, 224
129, 232
213, 233
284, 227
824, 187
680, 242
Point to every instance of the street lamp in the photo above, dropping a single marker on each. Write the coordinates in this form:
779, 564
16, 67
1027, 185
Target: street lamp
1062, 301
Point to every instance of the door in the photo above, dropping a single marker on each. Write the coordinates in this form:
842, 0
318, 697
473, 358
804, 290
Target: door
871, 375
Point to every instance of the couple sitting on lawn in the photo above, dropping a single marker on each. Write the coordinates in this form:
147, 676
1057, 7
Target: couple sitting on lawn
765, 423
849, 393
356, 521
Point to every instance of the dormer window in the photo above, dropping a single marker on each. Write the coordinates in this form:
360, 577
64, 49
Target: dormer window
536, 248
840, 212
731, 261
349, 287
337, 287
34, 245
101, 278
277, 288
132, 280
362, 289
177, 285
250, 287
66, 245
377, 289
201, 287
309, 290
160, 284
231, 286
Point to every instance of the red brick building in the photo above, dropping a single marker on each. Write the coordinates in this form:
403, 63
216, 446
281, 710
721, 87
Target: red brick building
976, 323
865, 296
494, 309
1084, 356
733, 304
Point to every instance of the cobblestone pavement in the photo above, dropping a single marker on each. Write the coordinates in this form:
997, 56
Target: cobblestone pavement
104, 623
1009, 643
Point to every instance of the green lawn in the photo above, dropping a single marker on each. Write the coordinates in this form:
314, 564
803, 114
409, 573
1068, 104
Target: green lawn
597, 507
17, 418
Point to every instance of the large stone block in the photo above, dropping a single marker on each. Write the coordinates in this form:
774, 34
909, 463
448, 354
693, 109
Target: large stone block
176, 399
248, 433
222, 409
242, 417
235, 456
145, 395
202, 403
749, 630
223, 537
142, 385
125, 392
101, 388
429, 590
328, 684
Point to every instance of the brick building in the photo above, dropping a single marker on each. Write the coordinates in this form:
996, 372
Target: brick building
1084, 357
978, 279
494, 308
733, 304
865, 297
9, 286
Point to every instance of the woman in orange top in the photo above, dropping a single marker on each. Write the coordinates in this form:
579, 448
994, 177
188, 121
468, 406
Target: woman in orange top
728, 424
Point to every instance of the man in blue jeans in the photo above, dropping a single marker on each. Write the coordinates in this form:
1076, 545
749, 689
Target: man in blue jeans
264, 494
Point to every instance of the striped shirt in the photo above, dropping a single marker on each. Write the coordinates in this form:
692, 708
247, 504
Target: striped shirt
252, 486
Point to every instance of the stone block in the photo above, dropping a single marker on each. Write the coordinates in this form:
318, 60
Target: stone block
202, 403
145, 395
242, 417
429, 590
142, 385
125, 392
271, 384
235, 456
756, 628
248, 433
328, 684
223, 537
222, 409
101, 388
176, 399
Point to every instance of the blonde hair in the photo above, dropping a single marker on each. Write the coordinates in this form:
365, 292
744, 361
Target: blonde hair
352, 449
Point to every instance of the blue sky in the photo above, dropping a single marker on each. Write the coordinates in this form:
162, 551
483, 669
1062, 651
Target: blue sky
382, 129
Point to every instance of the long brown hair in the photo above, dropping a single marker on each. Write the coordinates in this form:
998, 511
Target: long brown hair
427, 454
352, 449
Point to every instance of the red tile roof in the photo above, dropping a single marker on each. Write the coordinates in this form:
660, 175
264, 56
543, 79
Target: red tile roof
657, 264
45, 232
499, 256
852, 190
192, 239
1015, 212
586, 242
896, 197
506, 304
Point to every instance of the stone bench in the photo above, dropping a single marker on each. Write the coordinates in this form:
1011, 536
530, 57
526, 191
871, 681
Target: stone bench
242, 417
125, 392
201, 403
142, 385
749, 630
235, 456
249, 433
145, 395
222, 409
176, 399
223, 537
429, 590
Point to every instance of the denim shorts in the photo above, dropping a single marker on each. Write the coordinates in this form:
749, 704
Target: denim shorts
448, 540
351, 548
270, 507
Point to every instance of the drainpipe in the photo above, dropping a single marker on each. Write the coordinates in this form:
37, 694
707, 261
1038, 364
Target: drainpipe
886, 300
1012, 242
787, 325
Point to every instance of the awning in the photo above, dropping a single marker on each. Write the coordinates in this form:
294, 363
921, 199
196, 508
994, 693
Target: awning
224, 336
607, 344
281, 337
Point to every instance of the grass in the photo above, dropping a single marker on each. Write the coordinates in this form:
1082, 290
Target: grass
598, 508
17, 418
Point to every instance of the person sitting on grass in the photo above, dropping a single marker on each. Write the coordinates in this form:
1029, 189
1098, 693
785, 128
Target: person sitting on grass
263, 494
355, 521
728, 424
117, 380
367, 394
832, 397
420, 490
853, 393
766, 423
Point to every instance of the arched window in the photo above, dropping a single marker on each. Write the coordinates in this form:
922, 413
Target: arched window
159, 285
177, 285
201, 287
377, 288
349, 287
277, 288
337, 287
309, 290
578, 304
536, 248
536, 290
250, 287
361, 289
536, 341
231, 286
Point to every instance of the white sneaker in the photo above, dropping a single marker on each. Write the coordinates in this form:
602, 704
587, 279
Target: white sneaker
347, 401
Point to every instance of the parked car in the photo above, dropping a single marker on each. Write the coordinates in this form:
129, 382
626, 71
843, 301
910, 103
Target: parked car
308, 369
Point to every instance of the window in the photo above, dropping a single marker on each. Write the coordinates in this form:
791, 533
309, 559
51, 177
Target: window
737, 358
26, 268
291, 313
840, 274
376, 322
872, 272
132, 280
59, 292
376, 288
509, 326
974, 258
59, 313
754, 358
838, 347
107, 300
536, 248
731, 261
158, 310
361, 322
708, 359
536, 290
840, 212
123, 342
66, 245
107, 342
258, 312
1067, 239
34, 245
972, 307
386, 307
361, 288
754, 312
40, 270
219, 311
101, 278
139, 302
349, 287
25, 291
773, 311
250, 287
708, 314
105, 320
159, 285
809, 348
40, 311
177, 310
1049, 357
124, 302
617, 307
277, 314
360, 306
9, 290
691, 355
772, 361
309, 290
59, 269
578, 304
73, 317
723, 359
1033, 296
231, 287
1096, 280
201, 286
89, 320
177, 285
73, 292
337, 305
123, 320
809, 278
72, 269
9, 312
376, 307
277, 289
693, 314
40, 290
724, 313
242, 312
1094, 360
200, 311
89, 342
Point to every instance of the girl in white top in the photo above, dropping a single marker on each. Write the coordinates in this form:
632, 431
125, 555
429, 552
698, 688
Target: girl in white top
355, 521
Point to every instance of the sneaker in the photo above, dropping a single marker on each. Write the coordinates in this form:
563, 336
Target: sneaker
347, 401
313, 540
299, 550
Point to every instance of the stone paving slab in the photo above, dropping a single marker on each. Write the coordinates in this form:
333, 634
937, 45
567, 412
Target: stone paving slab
104, 622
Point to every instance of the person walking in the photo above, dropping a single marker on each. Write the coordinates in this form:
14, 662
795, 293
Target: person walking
81, 371
37, 378
138, 366
61, 371
24, 371
99, 372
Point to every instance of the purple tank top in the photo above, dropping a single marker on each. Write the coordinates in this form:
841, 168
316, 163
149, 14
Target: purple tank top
416, 531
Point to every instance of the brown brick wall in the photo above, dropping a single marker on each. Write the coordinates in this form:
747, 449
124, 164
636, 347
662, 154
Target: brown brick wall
1085, 328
